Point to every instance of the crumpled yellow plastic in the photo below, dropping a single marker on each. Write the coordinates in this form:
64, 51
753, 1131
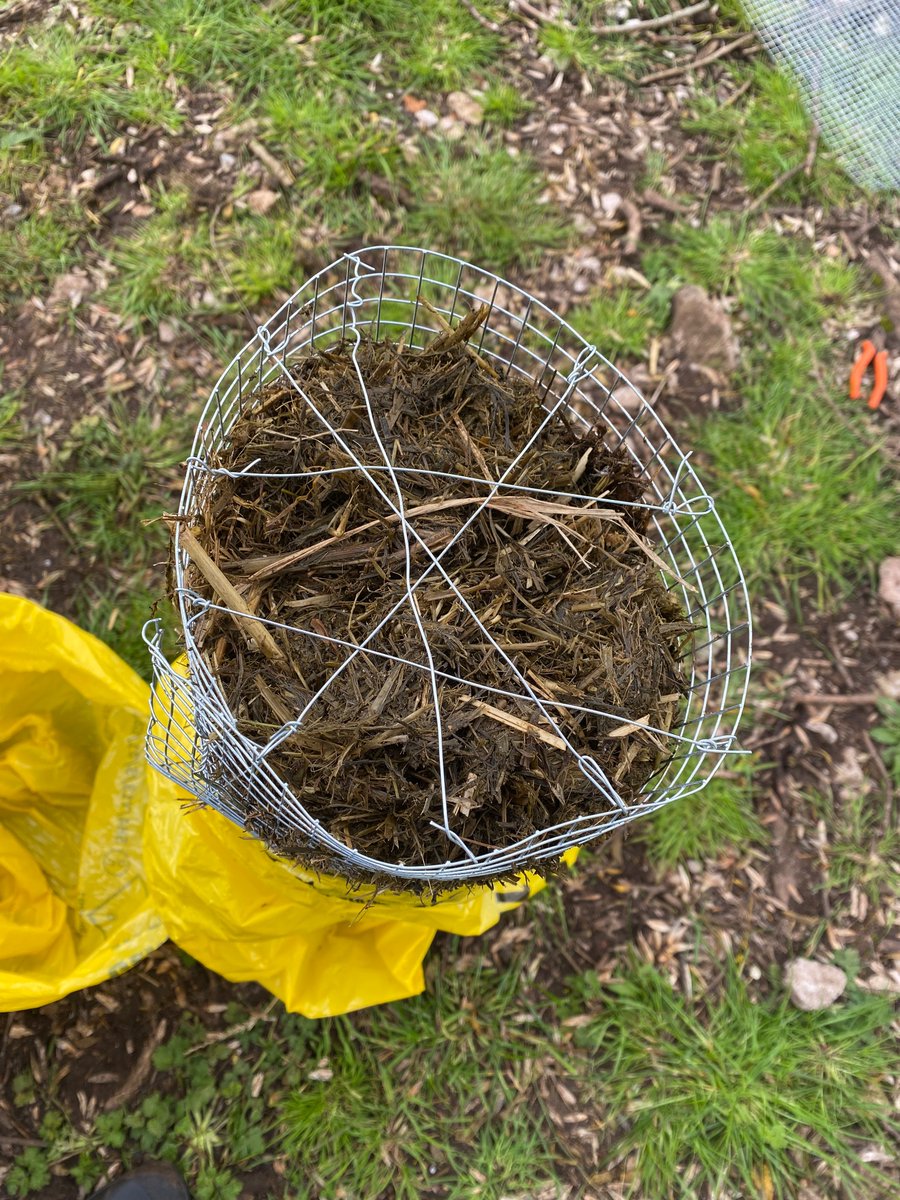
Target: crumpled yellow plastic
74, 906
322, 948
100, 856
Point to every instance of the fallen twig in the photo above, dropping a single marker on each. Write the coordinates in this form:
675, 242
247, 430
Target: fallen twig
777, 184
142, 1068
694, 63
224, 1035
536, 14
879, 263
858, 699
658, 200
268, 159
633, 216
737, 93
653, 23
480, 18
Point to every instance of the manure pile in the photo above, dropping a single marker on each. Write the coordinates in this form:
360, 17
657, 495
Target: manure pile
571, 593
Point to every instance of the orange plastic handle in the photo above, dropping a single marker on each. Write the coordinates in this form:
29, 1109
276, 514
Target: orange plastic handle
880, 370
865, 356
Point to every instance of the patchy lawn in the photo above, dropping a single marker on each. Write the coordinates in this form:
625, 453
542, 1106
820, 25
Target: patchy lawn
170, 170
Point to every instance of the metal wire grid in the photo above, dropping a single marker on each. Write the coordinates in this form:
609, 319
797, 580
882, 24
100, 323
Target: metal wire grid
845, 55
193, 736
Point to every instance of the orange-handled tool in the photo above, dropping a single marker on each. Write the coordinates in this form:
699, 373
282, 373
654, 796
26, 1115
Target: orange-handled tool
880, 370
879, 360
865, 356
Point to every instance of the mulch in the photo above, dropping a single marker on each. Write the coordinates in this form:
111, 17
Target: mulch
539, 592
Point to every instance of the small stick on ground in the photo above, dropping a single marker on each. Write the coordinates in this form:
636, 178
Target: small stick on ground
737, 93
663, 203
879, 263
480, 18
653, 23
142, 1068
695, 63
786, 176
633, 237
537, 14
268, 159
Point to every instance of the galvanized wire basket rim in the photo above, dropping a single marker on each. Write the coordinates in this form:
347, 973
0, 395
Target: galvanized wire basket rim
195, 756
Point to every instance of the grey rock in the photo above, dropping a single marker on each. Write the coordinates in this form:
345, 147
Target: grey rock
889, 583
700, 333
814, 985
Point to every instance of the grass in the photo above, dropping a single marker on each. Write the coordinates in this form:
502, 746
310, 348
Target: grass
571, 43
396, 1111
113, 473
768, 135
328, 140
167, 265
446, 1094
10, 422
109, 476
887, 733
718, 818
335, 135
463, 206
161, 267
39, 247
862, 843
441, 48
503, 104
118, 614
59, 85
374, 1105
734, 1096
799, 493
623, 319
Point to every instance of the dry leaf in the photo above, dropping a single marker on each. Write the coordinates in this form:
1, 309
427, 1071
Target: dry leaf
261, 201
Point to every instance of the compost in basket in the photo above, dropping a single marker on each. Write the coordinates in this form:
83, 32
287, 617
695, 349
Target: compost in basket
492, 619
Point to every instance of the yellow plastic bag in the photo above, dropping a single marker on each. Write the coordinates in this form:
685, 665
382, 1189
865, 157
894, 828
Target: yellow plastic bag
74, 907
99, 857
320, 948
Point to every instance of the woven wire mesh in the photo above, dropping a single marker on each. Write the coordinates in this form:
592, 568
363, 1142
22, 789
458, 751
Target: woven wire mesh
194, 737
846, 56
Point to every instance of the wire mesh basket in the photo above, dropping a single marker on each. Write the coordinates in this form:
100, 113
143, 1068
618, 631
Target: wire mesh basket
386, 292
845, 54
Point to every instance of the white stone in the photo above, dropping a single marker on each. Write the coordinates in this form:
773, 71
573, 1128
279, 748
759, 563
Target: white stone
261, 201
69, 289
610, 202
466, 108
814, 985
889, 583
